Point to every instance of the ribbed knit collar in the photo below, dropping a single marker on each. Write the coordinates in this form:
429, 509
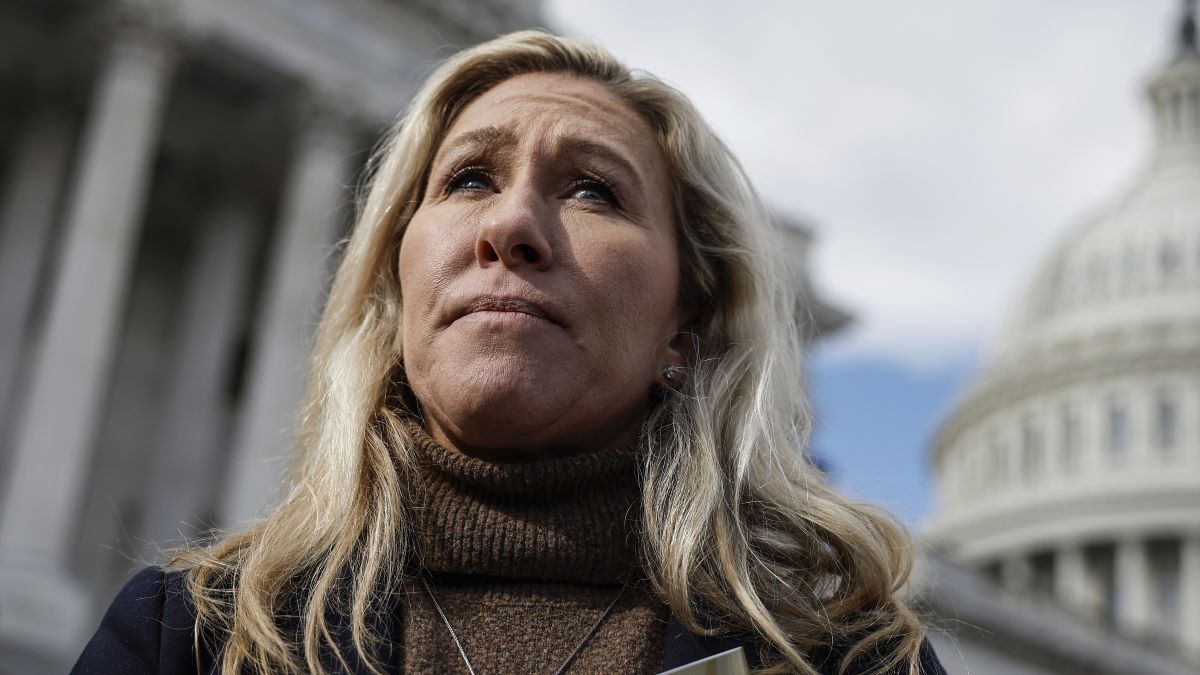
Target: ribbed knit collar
570, 519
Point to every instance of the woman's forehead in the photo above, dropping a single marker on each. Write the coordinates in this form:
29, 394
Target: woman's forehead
555, 109
554, 90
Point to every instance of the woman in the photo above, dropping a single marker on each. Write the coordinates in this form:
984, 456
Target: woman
553, 422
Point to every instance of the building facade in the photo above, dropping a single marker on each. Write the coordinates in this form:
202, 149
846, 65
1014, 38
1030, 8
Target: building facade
174, 178
1069, 471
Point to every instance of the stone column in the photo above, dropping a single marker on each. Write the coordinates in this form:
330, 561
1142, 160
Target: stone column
27, 219
314, 196
1133, 585
191, 441
1189, 589
1070, 579
43, 607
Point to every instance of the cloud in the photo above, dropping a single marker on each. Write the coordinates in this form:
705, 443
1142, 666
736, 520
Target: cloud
938, 147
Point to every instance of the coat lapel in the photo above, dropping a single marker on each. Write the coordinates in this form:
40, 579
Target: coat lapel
681, 647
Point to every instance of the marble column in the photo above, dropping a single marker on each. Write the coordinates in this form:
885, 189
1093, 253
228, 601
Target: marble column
1133, 586
314, 197
43, 607
1189, 589
190, 449
1070, 579
27, 218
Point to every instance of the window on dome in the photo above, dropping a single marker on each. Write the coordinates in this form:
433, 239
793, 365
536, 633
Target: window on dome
946, 474
999, 459
1129, 269
1118, 430
970, 472
1176, 112
1166, 423
1054, 296
1169, 260
1097, 279
957, 470
1074, 288
1071, 441
1031, 449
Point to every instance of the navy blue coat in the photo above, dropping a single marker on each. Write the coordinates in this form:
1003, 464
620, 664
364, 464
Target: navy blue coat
149, 629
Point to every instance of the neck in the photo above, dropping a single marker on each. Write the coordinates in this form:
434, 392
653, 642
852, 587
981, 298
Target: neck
500, 446
567, 518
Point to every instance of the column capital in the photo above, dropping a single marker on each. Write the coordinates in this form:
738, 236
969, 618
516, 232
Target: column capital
141, 29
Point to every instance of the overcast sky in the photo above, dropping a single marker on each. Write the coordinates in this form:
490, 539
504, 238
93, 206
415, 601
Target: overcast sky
937, 147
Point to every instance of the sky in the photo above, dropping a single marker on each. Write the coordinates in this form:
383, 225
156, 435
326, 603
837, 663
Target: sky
937, 148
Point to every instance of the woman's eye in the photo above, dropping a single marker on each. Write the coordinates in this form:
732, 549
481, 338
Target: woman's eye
596, 191
470, 179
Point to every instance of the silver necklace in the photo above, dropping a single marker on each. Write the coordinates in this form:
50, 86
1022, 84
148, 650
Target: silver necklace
561, 669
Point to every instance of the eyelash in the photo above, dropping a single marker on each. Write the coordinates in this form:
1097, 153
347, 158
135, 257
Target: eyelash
457, 176
607, 190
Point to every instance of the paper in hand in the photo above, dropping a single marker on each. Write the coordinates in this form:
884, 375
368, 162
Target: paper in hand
732, 662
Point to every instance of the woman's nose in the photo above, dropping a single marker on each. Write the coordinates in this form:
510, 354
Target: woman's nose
514, 231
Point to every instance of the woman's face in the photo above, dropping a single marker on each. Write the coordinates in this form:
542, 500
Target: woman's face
540, 273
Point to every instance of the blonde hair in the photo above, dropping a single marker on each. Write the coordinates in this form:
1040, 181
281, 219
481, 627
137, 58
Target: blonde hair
738, 531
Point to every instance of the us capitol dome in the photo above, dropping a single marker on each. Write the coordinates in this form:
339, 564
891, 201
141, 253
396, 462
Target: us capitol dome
1069, 471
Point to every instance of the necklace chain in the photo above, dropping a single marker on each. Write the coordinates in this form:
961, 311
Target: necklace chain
561, 669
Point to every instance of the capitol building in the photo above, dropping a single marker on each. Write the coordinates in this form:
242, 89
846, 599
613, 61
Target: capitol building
1069, 470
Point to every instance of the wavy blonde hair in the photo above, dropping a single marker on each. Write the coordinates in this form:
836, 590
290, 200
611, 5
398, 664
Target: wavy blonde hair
739, 532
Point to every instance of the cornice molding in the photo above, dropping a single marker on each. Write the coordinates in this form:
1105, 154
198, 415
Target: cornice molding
1027, 520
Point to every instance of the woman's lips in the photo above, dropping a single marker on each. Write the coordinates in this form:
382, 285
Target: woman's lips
492, 303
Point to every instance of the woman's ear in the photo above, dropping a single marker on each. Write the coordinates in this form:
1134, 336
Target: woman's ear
673, 363
680, 349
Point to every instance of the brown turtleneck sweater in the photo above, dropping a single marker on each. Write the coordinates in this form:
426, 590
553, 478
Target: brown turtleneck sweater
524, 558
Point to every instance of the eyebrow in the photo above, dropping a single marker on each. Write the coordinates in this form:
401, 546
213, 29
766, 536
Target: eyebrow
485, 139
576, 146
493, 139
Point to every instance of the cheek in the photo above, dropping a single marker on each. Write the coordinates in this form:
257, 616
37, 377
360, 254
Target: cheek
638, 284
416, 262
410, 289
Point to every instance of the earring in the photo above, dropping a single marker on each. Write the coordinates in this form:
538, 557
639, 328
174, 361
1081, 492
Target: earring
672, 374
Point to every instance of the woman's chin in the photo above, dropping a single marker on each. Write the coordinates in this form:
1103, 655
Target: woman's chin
509, 400
495, 410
